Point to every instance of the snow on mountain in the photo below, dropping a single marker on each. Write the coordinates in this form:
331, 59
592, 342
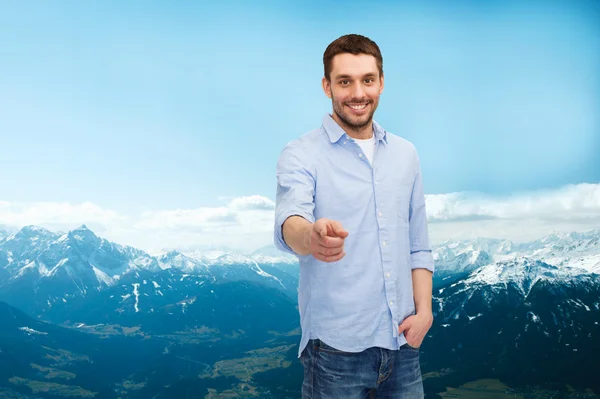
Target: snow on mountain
172, 258
575, 249
5, 231
28, 241
48, 268
456, 259
579, 250
270, 254
518, 284
523, 272
32, 331
41, 268
44, 269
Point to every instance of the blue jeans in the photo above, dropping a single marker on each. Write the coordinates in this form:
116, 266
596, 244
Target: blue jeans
373, 373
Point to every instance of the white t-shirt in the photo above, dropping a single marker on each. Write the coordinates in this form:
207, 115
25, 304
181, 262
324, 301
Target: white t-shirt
368, 147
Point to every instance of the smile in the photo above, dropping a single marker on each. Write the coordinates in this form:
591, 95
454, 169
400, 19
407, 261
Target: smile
358, 107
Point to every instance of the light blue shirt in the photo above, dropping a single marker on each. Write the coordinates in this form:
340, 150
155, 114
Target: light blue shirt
359, 301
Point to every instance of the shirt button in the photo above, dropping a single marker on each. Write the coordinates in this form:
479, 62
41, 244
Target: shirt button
384, 243
380, 214
391, 302
360, 155
387, 274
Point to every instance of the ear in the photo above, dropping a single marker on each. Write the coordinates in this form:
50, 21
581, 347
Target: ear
326, 86
381, 88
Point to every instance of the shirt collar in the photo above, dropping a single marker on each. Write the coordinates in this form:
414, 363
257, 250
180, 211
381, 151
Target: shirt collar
335, 132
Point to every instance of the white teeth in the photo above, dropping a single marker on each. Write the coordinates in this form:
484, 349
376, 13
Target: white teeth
358, 107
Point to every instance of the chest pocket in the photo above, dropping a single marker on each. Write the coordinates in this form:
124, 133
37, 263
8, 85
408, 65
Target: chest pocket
403, 193
349, 200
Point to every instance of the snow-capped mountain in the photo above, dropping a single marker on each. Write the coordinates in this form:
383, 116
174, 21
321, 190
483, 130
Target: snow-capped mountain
458, 258
521, 320
6, 231
573, 249
453, 262
516, 278
266, 255
40, 269
173, 288
503, 309
44, 253
220, 266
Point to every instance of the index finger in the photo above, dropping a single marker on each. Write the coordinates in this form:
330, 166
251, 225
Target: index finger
331, 242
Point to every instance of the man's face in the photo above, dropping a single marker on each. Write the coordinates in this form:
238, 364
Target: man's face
354, 89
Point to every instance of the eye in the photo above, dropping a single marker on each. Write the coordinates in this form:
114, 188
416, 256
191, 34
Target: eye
344, 82
369, 80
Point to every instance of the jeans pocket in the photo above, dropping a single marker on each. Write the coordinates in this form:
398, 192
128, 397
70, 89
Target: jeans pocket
415, 348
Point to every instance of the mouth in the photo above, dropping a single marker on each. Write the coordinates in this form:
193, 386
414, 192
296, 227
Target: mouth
358, 108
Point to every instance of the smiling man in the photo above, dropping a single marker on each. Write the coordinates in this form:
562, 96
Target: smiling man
350, 205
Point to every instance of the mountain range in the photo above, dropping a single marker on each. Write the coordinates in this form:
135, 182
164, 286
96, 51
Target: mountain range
222, 322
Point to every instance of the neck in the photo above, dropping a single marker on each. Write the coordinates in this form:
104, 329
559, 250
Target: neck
361, 133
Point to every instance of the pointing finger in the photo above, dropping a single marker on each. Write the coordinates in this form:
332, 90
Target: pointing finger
332, 242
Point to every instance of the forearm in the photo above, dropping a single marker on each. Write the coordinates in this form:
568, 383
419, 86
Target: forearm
422, 280
296, 233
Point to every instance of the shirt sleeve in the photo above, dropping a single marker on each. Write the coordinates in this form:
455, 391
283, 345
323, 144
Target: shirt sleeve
420, 248
295, 190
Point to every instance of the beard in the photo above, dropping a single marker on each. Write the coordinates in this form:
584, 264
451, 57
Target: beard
353, 122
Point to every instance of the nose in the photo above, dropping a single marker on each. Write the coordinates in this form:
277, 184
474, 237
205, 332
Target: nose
358, 92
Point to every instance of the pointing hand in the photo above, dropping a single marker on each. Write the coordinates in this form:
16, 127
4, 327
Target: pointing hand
327, 240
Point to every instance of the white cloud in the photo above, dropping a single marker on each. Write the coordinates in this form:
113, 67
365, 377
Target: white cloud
21, 214
256, 202
246, 223
569, 203
201, 219
518, 217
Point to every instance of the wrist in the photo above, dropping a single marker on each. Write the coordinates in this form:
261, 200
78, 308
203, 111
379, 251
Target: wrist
307, 238
425, 314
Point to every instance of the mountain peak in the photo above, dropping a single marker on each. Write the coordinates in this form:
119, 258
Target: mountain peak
83, 227
522, 271
31, 233
82, 233
33, 230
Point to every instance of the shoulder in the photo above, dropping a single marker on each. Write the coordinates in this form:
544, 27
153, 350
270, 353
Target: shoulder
399, 144
307, 146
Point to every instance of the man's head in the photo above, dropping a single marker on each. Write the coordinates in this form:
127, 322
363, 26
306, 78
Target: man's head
353, 79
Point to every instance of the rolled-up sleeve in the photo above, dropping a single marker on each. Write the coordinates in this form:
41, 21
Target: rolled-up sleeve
295, 190
420, 247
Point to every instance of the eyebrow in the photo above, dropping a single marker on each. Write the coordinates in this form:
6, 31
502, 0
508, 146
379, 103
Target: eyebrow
367, 75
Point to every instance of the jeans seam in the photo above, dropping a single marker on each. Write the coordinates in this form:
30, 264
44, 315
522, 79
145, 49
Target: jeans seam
391, 364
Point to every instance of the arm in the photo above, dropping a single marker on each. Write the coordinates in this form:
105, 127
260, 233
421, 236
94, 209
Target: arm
422, 280
420, 248
296, 230
416, 327
294, 206
296, 234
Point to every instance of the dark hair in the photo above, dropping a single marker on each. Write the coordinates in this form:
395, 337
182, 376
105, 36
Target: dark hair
353, 44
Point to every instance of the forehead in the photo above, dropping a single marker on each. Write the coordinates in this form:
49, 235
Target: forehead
353, 65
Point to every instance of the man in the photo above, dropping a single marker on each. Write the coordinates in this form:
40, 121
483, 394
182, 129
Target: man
350, 205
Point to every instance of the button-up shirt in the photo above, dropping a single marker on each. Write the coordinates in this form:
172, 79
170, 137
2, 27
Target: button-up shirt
359, 301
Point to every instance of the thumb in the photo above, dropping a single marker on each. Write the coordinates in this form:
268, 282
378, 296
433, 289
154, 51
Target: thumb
339, 230
405, 325
321, 230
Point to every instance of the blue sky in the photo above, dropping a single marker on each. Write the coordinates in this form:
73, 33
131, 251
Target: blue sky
143, 106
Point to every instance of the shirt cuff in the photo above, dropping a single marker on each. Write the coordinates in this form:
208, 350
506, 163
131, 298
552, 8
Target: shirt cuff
422, 260
279, 241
